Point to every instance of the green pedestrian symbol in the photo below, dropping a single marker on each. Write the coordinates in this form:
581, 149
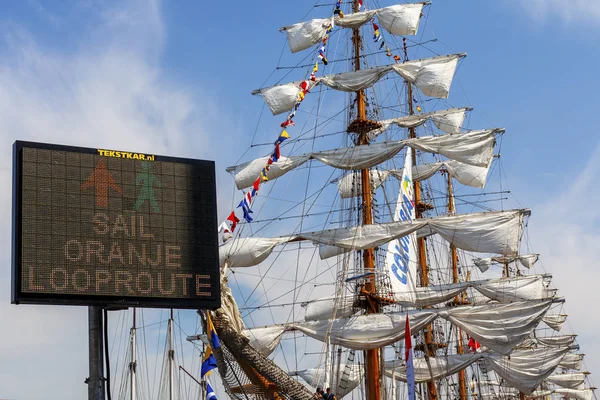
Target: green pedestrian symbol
146, 180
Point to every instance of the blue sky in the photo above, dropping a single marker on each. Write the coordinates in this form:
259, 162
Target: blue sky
175, 78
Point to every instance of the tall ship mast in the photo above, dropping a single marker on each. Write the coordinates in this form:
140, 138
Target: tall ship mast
368, 211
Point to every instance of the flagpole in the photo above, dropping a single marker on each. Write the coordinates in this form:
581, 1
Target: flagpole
410, 371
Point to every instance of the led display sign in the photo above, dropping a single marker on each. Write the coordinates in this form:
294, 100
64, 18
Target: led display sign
114, 228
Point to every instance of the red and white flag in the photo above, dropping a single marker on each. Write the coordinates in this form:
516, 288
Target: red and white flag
408, 358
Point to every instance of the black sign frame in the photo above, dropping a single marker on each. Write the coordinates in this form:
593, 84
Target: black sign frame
18, 296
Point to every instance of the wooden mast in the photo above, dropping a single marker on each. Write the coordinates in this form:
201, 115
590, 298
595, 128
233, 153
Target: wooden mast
372, 357
419, 208
462, 386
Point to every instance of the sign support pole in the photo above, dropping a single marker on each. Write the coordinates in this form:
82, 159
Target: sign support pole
95, 381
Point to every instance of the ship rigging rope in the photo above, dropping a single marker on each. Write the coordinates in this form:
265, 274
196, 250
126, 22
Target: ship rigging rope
106, 354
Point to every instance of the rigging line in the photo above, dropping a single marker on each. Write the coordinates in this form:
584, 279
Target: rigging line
106, 354
362, 56
295, 296
261, 281
266, 277
120, 326
291, 291
301, 134
302, 139
149, 388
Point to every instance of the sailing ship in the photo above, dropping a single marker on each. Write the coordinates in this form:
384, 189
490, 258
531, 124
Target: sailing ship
366, 216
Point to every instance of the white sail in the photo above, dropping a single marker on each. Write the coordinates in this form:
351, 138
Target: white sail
350, 184
578, 394
564, 340
572, 361
431, 295
401, 254
490, 232
521, 288
572, 380
449, 121
526, 369
501, 326
246, 252
303, 35
328, 308
584, 394
433, 76
526, 260
315, 377
401, 19
555, 321
265, 339
365, 332
531, 287
473, 148
432, 368
493, 232
245, 174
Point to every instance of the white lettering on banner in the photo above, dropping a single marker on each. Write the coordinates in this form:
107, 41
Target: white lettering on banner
401, 252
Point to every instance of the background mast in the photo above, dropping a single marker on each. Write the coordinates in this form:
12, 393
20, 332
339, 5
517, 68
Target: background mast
372, 357
419, 209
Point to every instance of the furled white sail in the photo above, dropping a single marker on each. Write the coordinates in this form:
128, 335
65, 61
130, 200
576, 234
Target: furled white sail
329, 307
303, 35
501, 326
584, 394
578, 394
326, 251
531, 287
526, 260
245, 174
490, 232
431, 295
555, 321
365, 332
351, 374
246, 252
562, 340
350, 184
503, 289
433, 76
565, 340
355, 20
449, 121
526, 369
433, 368
494, 232
265, 339
571, 380
473, 148
401, 19
282, 98
572, 361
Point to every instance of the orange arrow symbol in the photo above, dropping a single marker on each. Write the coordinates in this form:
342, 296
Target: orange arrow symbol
101, 180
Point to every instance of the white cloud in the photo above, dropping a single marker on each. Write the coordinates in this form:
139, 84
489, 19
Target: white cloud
108, 92
564, 230
569, 11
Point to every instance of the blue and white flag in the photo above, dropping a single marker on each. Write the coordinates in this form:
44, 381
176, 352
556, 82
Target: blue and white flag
210, 393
